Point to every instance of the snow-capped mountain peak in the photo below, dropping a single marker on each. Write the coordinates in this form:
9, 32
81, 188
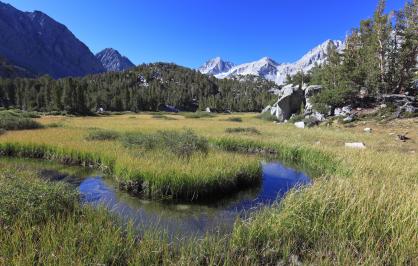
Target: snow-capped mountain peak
273, 71
216, 66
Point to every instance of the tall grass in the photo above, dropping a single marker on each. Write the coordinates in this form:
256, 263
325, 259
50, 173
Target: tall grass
11, 120
23, 196
101, 135
198, 115
183, 144
244, 130
361, 208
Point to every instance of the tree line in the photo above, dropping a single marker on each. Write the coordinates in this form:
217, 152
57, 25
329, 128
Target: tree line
380, 57
145, 88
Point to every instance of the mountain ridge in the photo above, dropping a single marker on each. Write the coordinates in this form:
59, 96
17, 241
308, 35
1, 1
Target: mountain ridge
277, 72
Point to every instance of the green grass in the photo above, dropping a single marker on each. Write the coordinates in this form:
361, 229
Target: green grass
163, 117
23, 196
183, 144
234, 119
12, 120
244, 130
197, 115
361, 208
102, 135
267, 117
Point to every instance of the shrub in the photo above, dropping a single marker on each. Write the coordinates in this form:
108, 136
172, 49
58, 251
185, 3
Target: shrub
10, 120
234, 119
183, 144
327, 100
249, 130
101, 135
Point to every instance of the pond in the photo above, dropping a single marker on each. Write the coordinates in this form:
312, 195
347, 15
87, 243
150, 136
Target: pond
185, 219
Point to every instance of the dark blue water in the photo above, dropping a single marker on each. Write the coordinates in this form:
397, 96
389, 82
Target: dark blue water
193, 219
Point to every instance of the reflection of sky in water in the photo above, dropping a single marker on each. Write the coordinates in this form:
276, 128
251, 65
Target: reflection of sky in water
192, 219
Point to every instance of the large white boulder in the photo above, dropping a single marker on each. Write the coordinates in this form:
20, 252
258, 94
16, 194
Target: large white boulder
290, 101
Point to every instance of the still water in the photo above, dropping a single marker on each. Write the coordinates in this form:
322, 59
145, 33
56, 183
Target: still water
186, 219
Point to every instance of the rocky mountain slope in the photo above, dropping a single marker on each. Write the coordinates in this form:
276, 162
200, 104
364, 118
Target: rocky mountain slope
112, 60
39, 44
273, 71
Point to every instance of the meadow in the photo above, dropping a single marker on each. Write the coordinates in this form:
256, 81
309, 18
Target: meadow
361, 209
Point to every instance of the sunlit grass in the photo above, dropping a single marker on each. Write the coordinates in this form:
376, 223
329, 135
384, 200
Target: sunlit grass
361, 209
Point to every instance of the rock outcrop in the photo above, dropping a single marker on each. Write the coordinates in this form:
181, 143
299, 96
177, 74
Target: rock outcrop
403, 103
113, 61
310, 91
290, 101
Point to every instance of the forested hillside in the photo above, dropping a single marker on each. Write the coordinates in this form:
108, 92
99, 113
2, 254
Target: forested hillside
144, 88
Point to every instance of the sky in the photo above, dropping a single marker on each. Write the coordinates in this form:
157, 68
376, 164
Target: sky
190, 32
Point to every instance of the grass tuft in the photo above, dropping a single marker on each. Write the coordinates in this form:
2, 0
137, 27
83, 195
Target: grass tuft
163, 117
234, 119
197, 115
11, 120
102, 135
183, 144
244, 130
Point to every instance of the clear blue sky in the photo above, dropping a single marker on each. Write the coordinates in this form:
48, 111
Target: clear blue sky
189, 32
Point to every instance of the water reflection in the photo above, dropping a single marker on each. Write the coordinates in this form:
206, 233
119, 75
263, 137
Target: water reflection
192, 219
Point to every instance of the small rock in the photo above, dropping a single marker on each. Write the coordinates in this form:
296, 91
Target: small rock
391, 134
403, 137
349, 119
355, 145
382, 106
368, 130
300, 124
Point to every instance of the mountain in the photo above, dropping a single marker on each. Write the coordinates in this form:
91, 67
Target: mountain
35, 42
112, 60
8, 70
216, 66
273, 71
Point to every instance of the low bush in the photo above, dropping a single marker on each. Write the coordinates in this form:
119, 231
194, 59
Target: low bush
101, 135
11, 120
245, 130
183, 144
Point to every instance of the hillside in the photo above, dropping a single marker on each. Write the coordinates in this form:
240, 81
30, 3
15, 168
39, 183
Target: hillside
144, 88
36, 42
